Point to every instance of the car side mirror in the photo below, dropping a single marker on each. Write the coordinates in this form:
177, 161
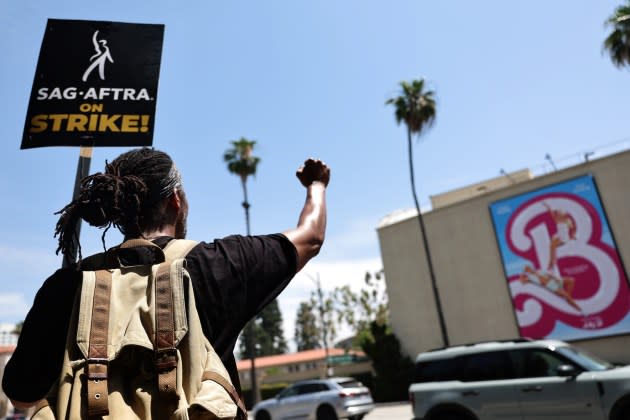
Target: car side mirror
567, 371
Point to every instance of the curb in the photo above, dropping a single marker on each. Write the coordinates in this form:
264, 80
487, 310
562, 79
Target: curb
390, 404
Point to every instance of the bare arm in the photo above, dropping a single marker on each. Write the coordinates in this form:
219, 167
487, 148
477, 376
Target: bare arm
308, 236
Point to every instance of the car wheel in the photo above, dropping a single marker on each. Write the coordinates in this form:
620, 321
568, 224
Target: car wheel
450, 415
621, 411
326, 412
263, 415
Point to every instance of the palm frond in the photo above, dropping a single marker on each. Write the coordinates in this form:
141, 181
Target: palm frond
239, 158
414, 106
618, 42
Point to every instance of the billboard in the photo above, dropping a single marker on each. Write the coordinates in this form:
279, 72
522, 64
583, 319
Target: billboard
565, 276
95, 85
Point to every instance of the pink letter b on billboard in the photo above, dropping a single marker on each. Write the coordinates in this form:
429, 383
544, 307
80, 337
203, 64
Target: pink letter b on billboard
559, 255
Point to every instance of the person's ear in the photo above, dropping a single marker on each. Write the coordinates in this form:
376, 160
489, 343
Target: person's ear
175, 201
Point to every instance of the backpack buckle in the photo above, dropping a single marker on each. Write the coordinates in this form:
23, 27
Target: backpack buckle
97, 368
165, 359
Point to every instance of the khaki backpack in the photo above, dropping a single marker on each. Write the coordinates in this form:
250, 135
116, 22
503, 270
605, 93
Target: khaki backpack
135, 347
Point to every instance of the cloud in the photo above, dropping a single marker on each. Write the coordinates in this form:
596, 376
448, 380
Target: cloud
331, 274
29, 260
24, 271
13, 306
357, 240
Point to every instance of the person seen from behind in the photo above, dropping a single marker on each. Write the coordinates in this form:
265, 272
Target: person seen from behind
141, 193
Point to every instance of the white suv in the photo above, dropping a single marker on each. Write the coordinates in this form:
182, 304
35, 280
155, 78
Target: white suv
318, 399
518, 379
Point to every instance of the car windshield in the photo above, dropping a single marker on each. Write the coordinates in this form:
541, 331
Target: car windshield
584, 359
286, 392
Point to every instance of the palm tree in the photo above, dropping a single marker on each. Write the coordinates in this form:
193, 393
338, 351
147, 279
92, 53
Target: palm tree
618, 42
241, 162
415, 107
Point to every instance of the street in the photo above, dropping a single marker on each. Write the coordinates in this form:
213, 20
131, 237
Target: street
396, 411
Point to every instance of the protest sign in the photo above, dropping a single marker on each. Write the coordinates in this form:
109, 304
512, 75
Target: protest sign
96, 84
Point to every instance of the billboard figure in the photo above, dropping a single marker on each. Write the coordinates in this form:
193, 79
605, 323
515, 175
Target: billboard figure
98, 59
565, 232
561, 286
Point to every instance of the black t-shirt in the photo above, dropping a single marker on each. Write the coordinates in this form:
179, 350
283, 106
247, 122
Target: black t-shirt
233, 279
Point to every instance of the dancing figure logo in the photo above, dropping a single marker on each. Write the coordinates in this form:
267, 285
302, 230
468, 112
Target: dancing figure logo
98, 60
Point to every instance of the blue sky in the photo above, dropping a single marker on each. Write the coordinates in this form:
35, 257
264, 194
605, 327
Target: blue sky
514, 81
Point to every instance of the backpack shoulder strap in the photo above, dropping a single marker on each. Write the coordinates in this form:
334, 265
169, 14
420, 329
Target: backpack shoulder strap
213, 376
165, 349
179, 248
111, 258
93, 262
96, 363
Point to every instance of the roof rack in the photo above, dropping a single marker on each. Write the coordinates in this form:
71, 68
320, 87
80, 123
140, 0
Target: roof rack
474, 343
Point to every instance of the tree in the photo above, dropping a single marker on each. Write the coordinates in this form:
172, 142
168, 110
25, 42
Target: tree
618, 42
268, 333
18, 328
307, 331
392, 369
315, 322
415, 107
271, 324
240, 161
369, 305
367, 312
319, 318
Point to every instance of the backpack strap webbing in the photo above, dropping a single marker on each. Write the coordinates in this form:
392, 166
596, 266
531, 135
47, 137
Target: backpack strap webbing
178, 248
96, 364
165, 351
213, 376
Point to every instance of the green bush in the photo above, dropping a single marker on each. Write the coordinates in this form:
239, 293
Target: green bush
392, 368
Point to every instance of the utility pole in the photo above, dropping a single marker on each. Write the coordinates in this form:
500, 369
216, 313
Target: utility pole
320, 296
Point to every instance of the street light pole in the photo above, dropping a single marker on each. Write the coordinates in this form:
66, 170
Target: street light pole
320, 295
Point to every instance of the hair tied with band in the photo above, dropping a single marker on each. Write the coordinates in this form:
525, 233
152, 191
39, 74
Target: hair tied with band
125, 196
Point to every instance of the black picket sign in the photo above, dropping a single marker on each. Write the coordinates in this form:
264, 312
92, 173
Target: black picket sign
96, 84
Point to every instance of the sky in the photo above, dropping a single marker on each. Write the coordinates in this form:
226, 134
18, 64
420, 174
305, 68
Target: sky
514, 82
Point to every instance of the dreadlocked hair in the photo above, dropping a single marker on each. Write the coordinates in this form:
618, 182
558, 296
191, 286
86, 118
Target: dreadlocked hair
126, 196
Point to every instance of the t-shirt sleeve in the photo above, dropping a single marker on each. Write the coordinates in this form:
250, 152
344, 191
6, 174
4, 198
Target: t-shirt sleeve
251, 271
36, 363
267, 265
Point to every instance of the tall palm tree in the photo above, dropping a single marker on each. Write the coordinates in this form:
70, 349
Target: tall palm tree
240, 161
618, 42
415, 107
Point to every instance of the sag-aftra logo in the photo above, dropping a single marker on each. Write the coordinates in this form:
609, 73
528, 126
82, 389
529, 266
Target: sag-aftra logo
99, 59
